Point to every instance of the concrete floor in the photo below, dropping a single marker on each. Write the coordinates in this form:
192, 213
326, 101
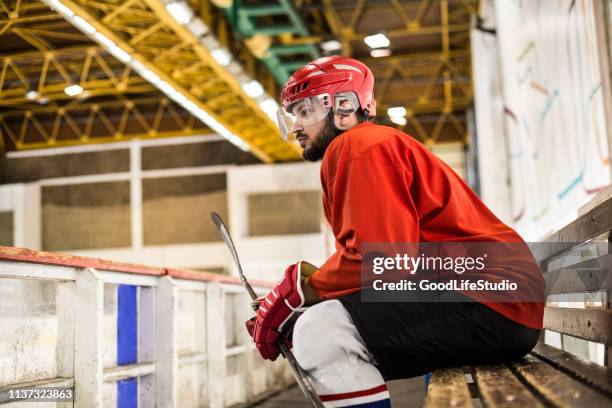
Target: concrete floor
408, 393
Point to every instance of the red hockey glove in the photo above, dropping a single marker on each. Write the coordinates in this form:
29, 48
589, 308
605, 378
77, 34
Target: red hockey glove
277, 308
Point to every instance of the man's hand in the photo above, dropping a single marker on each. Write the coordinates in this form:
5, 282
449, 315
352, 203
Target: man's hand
276, 309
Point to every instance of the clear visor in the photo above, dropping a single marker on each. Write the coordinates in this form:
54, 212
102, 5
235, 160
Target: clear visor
303, 113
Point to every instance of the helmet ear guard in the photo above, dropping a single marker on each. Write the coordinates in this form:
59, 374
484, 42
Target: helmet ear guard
371, 110
346, 103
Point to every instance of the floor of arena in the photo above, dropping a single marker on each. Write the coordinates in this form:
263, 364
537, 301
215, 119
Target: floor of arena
408, 393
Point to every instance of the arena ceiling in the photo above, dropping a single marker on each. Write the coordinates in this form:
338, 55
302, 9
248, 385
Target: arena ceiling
80, 71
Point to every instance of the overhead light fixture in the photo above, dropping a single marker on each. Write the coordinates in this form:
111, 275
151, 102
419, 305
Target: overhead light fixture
377, 41
398, 120
180, 11
104, 40
137, 66
197, 27
112, 48
120, 54
73, 90
83, 25
222, 56
235, 68
150, 76
270, 107
380, 52
32, 95
396, 111
253, 88
60, 8
165, 87
397, 115
331, 46
178, 97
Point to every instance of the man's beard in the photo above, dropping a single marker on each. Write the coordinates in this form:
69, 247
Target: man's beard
319, 144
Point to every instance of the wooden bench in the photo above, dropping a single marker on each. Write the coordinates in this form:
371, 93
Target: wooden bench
549, 376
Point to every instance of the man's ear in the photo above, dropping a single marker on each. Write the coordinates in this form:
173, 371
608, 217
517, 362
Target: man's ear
345, 122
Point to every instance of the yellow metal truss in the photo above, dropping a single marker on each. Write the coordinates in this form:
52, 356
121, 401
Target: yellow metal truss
81, 123
151, 35
427, 82
35, 112
48, 72
430, 135
437, 82
414, 25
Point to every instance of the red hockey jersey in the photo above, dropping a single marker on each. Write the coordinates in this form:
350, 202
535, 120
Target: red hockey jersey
381, 185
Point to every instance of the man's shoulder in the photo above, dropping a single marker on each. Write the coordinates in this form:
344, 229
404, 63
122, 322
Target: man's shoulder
369, 139
368, 132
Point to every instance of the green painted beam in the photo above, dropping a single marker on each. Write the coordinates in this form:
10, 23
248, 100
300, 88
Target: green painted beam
274, 64
294, 17
242, 19
262, 11
293, 49
276, 29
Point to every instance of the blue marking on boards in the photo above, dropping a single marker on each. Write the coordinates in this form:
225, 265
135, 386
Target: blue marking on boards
127, 393
127, 325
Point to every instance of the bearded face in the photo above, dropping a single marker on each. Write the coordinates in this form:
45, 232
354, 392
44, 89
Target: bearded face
315, 141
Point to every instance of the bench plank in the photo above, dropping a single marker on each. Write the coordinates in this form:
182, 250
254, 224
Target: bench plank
448, 388
596, 222
556, 387
586, 276
588, 324
500, 388
590, 373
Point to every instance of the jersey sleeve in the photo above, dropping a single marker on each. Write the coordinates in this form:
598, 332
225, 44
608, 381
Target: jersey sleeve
367, 201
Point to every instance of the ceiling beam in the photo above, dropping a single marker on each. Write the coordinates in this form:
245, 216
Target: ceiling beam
161, 57
146, 117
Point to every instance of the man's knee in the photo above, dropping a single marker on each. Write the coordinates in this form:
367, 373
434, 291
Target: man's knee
316, 337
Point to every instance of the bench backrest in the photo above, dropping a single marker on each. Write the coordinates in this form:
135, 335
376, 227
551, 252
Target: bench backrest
577, 260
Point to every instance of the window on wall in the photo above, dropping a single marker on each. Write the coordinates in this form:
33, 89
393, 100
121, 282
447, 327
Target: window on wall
211, 153
86, 216
6, 228
177, 209
24, 169
288, 213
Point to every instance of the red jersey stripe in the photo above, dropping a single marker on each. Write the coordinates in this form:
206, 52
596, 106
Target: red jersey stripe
354, 394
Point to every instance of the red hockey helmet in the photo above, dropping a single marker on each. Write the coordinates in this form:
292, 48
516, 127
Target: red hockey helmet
345, 82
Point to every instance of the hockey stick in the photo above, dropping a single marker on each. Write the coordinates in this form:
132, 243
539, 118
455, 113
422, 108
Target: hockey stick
299, 373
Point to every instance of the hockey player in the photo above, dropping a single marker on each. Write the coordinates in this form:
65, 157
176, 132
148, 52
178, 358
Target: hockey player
381, 185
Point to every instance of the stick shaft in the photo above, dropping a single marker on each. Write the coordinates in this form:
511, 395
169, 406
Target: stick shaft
232, 248
300, 375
